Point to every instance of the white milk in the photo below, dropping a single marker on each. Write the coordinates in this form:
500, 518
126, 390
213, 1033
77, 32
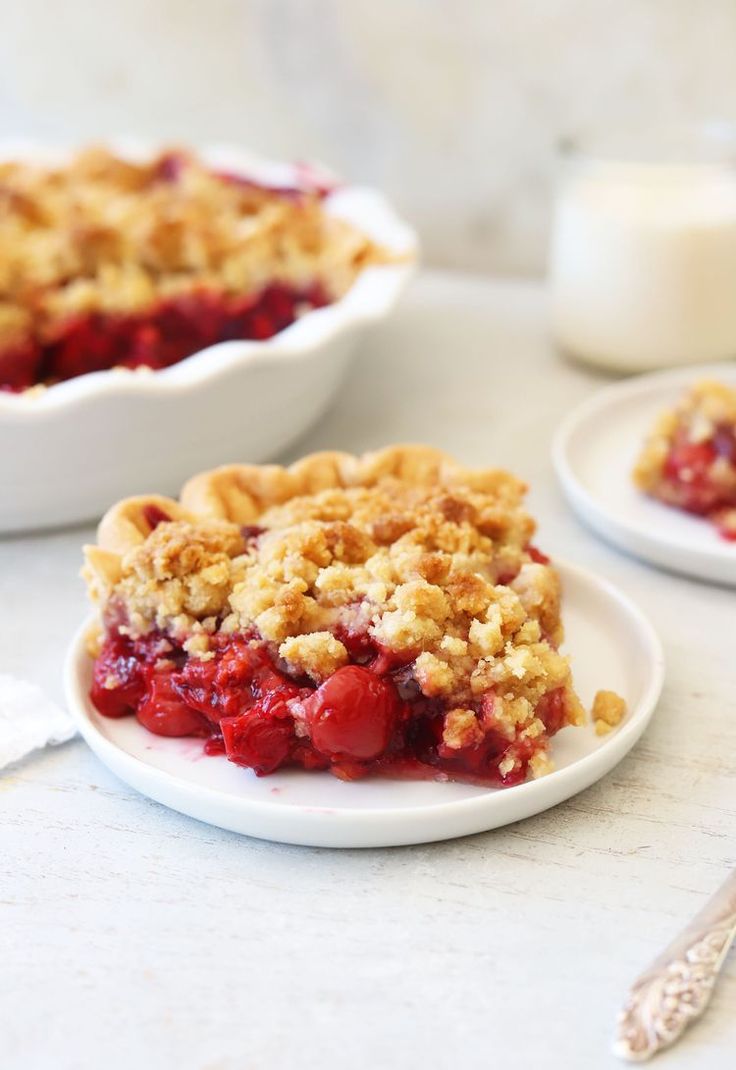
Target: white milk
643, 265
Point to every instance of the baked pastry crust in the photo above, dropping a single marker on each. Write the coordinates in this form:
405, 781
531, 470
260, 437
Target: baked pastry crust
241, 493
427, 561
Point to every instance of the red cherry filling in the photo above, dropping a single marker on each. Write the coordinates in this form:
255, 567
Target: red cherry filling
118, 683
20, 366
163, 336
154, 516
689, 479
169, 167
480, 761
162, 710
551, 710
369, 717
353, 714
724, 443
687, 468
258, 740
251, 533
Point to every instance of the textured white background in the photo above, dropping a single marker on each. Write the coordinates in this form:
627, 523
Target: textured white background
453, 106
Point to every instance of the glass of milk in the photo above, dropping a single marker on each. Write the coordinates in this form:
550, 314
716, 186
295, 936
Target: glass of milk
643, 256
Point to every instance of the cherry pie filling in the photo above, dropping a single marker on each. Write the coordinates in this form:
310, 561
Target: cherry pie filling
369, 717
156, 339
700, 477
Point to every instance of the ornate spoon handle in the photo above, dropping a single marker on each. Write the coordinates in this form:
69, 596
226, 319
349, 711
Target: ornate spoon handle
675, 990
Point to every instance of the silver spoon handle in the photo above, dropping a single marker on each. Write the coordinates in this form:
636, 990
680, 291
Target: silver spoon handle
675, 990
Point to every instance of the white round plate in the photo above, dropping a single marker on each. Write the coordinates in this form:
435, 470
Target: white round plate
612, 645
594, 452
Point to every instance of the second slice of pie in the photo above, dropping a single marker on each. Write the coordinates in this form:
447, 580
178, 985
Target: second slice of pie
689, 458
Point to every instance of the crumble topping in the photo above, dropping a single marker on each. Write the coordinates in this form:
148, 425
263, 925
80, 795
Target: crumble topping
461, 729
318, 654
433, 591
609, 710
105, 235
180, 576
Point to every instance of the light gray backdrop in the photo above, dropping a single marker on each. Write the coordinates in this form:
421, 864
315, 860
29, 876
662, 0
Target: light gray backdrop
453, 106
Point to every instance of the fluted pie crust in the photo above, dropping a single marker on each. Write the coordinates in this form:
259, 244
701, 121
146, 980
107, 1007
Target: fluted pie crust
400, 566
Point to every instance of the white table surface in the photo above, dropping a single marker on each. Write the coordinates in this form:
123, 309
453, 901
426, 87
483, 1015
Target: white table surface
138, 938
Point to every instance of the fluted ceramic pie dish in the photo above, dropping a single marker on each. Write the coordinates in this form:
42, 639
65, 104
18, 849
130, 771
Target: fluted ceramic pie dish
71, 447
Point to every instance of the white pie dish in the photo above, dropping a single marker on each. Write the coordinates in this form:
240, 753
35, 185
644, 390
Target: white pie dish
612, 646
594, 452
70, 449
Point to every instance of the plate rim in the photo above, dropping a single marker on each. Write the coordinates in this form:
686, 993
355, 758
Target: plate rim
715, 564
307, 820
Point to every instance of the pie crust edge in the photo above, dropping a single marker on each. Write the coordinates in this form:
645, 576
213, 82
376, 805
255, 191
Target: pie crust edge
240, 493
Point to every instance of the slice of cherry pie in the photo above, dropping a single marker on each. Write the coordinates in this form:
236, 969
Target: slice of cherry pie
109, 263
689, 460
385, 614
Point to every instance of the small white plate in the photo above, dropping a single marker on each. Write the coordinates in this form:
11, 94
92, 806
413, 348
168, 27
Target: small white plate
613, 646
594, 452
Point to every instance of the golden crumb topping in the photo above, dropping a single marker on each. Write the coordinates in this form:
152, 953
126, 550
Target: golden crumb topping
609, 710
180, 576
437, 574
103, 234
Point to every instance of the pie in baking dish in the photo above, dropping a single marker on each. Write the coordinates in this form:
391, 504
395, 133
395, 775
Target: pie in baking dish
109, 263
689, 459
385, 614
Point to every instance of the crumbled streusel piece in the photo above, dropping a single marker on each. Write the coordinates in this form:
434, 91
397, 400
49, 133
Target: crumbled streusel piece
609, 710
181, 574
317, 654
461, 729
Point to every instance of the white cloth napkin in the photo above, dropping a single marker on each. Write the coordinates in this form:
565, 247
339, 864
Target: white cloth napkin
28, 720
